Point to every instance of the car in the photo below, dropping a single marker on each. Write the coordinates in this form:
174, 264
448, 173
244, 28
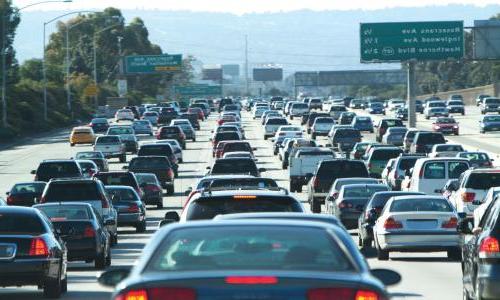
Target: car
223, 137
228, 128
417, 224
371, 213
384, 176
83, 231
258, 111
151, 186
402, 166
134, 110
425, 140
31, 247
160, 149
151, 116
352, 199
127, 137
472, 187
143, 127
303, 162
99, 125
408, 139
394, 136
187, 128
477, 159
120, 178
362, 123
419, 106
446, 125
198, 111
401, 113
131, 210
333, 193
488, 200
158, 273
358, 151
124, 115
235, 146
298, 109
434, 104
82, 135
344, 139
88, 167
357, 103
289, 145
272, 125
167, 114
394, 104
346, 118
445, 150
267, 114
336, 110
321, 126
456, 106
436, 112
489, 123
316, 103
111, 146
385, 123
193, 119
223, 166
376, 108
158, 165
290, 131
25, 193
490, 104
377, 159
57, 168
172, 132
96, 156
479, 256
480, 98
326, 173
176, 147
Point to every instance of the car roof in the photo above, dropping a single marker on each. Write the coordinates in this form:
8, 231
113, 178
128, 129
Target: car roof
246, 192
281, 215
88, 205
484, 170
411, 197
118, 187
18, 209
360, 185
57, 160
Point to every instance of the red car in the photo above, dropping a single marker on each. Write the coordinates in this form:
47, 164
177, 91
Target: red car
446, 125
199, 111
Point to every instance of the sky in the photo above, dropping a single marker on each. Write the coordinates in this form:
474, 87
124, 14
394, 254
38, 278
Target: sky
245, 6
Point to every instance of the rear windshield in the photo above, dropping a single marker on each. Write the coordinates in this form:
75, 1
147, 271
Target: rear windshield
160, 150
28, 188
445, 121
455, 103
227, 136
314, 153
437, 104
407, 163
149, 163
19, 223
342, 169
234, 166
208, 209
170, 130
300, 105
362, 191
454, 148
72, 191
58, 169
250, 248
276, 121
116, 179
411, 205
379, 199
87, 155
483, 181
345, 133
474, 156
65, 212
120, 130
492, 119
99, 121
363, 120
492, 101
430, 138
232, 147
241, 182
392, 123
108, 140
122, 195
385, 154
324, 121
146, 178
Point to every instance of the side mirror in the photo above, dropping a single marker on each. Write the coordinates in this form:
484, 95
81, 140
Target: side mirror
387, 277
254, 149
112, 277
208, 168
261, 170
188, 191
109, 222
7, 193
170, 217
33, 172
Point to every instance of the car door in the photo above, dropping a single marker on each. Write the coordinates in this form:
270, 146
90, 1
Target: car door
432, 177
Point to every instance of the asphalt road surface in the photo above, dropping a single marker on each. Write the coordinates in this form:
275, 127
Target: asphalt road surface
425, 275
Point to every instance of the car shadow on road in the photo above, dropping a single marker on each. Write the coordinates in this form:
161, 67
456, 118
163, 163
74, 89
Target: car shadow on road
424, 259
404, 295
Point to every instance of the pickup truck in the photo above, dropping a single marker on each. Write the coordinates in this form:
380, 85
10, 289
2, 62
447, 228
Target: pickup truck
272, 125
304, 162
111, 146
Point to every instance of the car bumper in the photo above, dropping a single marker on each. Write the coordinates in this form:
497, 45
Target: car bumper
143, 131
418, 240
112, 154
82, 249
152, 198
28, 271
130, 146
349, 219
456, 110
488, 276
126, 219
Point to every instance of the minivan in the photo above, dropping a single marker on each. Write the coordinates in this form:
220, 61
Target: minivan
425, 140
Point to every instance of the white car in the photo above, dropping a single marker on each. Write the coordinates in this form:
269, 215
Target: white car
259, 111
272, 125
239, 154
176, 147
298, 109
124, 115
415, 224
446, 150
289, 131
488, 199
394, 104
151, 116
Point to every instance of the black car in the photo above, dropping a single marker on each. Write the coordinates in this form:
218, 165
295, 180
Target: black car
425, 140
120, 178
167, 114
172, 132
193, 119
162, 149
99, 125
371, 213
251, 259
82, 229
131, 210
481, 255
52, 168
344, 139
383, 124
151, 186
158, 165
31, 251
97, 157
235, 166
25, 193
223, 102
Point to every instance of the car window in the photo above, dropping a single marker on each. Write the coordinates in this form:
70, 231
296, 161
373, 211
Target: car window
148, 163
490, 217
19, 223
277, 121
160, 150
483, 181
120, 130
249, 248
410, 205
434, 170
116, 179
22, 188
149, 178
240, 166
385, 154
72, 191
456, 168
58, 169
362, 192
108, 140
122, 195
65, 212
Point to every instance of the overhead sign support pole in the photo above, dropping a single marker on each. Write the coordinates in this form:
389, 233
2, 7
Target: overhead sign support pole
412, 115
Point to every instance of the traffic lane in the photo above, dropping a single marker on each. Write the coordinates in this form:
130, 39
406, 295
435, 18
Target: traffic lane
82, 277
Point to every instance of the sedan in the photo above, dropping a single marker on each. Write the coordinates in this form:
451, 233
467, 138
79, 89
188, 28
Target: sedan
417, 224
143, 127
25, 193
489, 123
128, 204
151, 186
446, 125
251, 259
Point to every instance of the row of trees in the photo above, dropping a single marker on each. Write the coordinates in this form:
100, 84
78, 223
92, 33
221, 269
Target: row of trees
118, 39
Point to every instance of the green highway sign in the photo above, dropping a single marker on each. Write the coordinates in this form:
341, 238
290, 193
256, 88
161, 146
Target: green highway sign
197, 90
150, 64
401, 41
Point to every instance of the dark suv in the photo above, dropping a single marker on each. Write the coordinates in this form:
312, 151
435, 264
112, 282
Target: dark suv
160, 150
424, 140
174, 133
245, 166
158, 165
63, 168
120, 178
167, 114
326, 173
344, 139
382, 126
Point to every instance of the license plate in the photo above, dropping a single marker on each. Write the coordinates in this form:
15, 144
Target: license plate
7, 251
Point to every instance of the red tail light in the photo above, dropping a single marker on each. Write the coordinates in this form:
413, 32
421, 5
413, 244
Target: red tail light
38, 247
390, 223
341, 294
134, 208
451, 223
315, 182
170, 173
89, 232
335, 195
489, 248
468, 196
167, 293
11, 199
369, 166
251, 280
421, 173
345, 204
382, 131
153, 188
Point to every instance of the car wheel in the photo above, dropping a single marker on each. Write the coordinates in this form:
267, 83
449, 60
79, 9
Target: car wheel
299, 189
72, 144
275, 152
194, 139
463, 113
184, 147
454, 254
365, 242
308, 131
482, 131
478, 290
100, 261
284, 166
292, 187
108, 258
315, 207
465, 294
123, 158
141, 228
265, 137
291, 117
64, 285
170, 190
180, 160
382, 254
313, 136
456, 133
159, 205
53, 288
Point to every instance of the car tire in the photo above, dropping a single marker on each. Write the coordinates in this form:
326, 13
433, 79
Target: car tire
265, 137
454, 254
382, 254
275, 152
313, 136
463, 113
141, 227
456, 133
284, 166
308, 131
100, 261
170, 190
159, 205
194, 140
291, 117
315, 207
72, 144
123, 158
180, 160
108, 258
482, 112
113, 240
482, 131
427, 117
64, 285
365, 242
184, 147
53, 288
292, 187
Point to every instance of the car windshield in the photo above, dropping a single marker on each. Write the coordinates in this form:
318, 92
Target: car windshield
122, 195
72, 191
99, 121
28, 188
483, 181
65, 212
385, 154
149, 163
397, 130
455, 103
234, 166
146, 178
474, 156
233, 147
300, 106
19, 223
250, 248
324, 121
160, 150
120, 130
241, 182
407, 163
359, 191
445, 121
108, 140
393, 123
421, 204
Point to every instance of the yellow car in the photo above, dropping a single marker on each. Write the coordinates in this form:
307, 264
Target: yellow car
82, 135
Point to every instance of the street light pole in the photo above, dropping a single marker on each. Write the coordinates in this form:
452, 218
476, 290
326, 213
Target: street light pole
68, 91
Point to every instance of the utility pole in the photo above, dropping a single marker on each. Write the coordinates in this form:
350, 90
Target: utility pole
4, 71
246, 66
68, 88
412, 116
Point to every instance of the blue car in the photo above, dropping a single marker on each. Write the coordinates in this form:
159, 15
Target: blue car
489, 123
376, 108
362, 123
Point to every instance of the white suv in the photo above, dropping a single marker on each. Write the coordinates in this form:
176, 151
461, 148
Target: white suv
124, 115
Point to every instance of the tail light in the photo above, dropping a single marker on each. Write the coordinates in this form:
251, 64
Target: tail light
10, 200
38, 247
134, 208
282, 134
251, 280
342, 294
468, 196
489, 248
390, 223
450, 224
164, 293
335, 195
421, 173
170, 173
395, 175
315, 182
488, 164
89, 232
345, 204
153, 188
